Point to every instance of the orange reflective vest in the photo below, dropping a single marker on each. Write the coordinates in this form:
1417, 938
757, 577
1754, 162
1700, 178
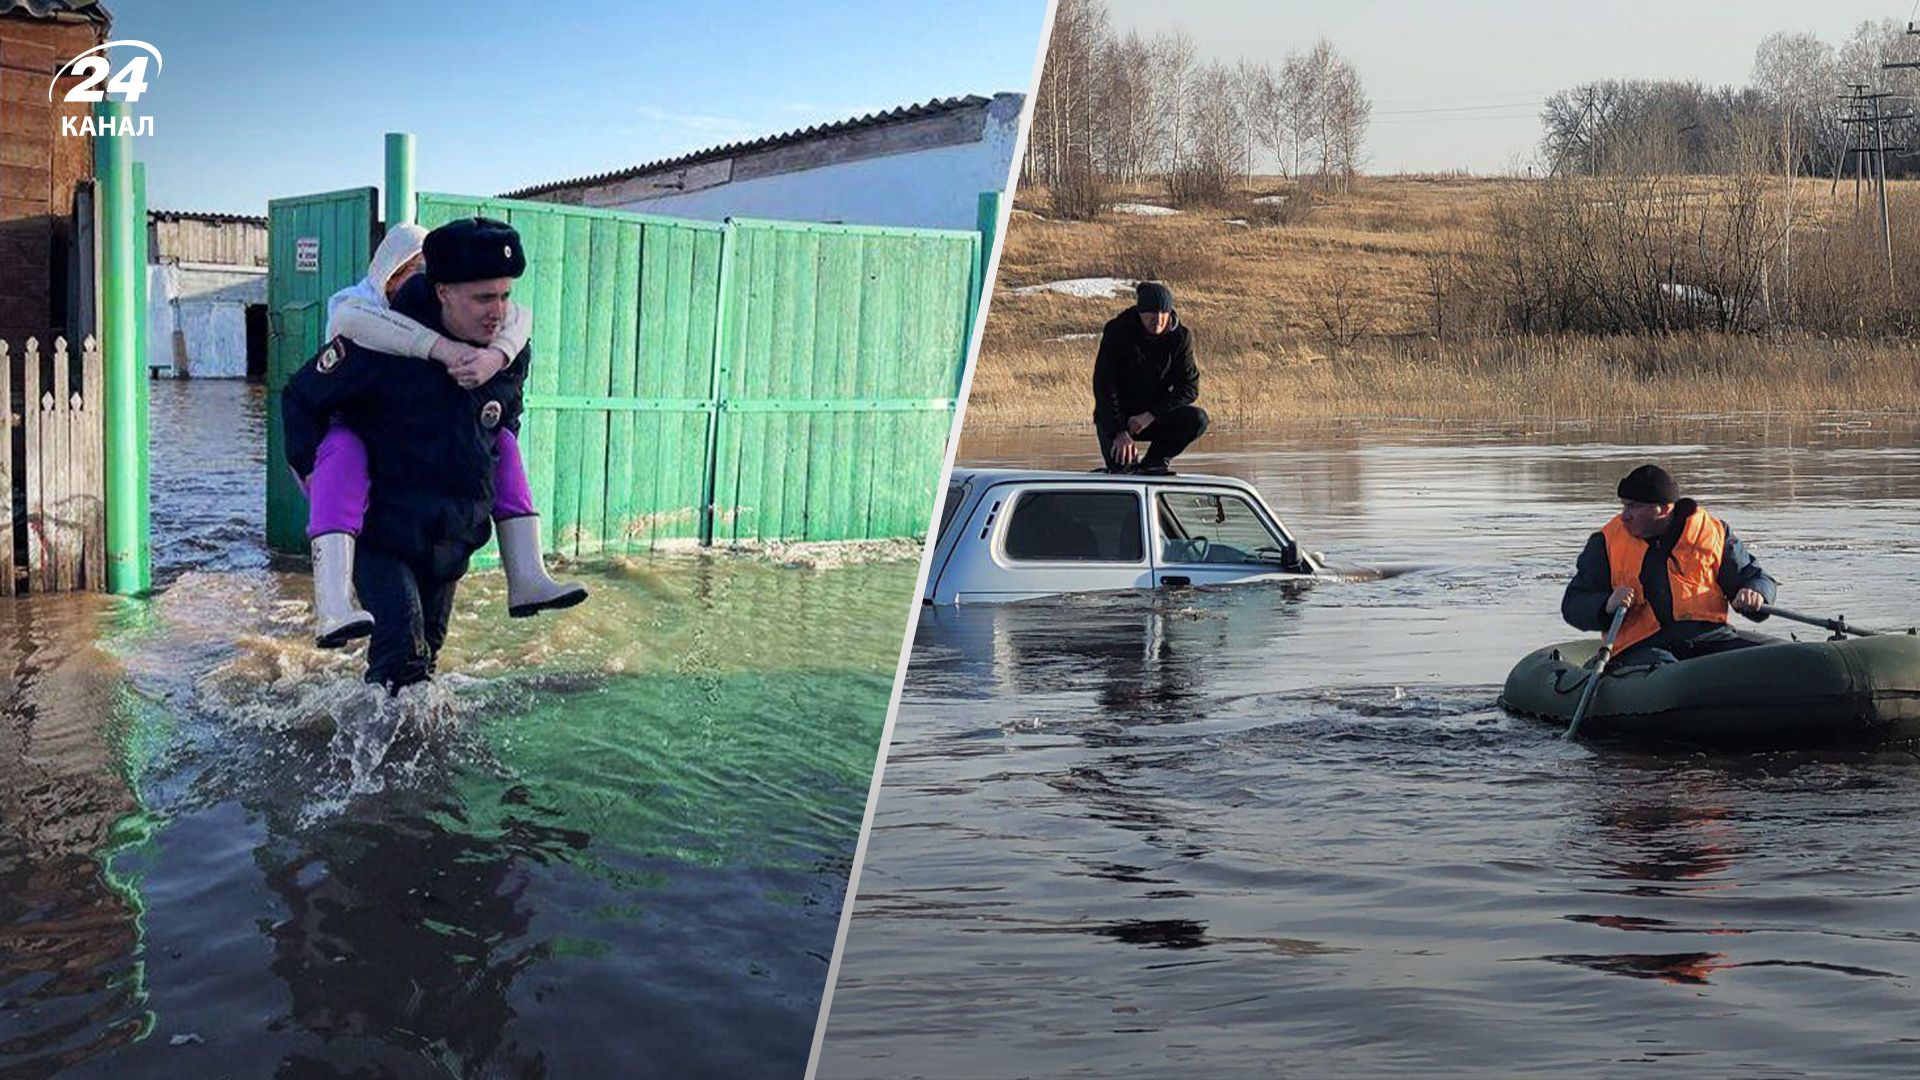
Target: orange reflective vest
1693, 575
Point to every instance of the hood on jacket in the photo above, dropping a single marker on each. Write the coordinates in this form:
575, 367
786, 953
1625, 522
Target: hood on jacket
402, 243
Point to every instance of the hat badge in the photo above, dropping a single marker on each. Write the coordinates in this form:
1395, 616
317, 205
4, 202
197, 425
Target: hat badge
507, 250
490, 414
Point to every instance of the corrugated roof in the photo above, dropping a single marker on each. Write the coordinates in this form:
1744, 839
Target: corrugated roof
92, 10
195, 215
936, 107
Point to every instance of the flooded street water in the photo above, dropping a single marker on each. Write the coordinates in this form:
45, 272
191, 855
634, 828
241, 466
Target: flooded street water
1286, 831
608, 842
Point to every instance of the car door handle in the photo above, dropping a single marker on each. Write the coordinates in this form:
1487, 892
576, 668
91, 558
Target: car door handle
1175, 581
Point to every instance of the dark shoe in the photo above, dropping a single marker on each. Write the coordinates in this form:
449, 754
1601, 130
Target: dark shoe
1153, 468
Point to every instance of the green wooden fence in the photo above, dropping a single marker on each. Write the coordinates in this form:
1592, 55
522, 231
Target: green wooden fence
719, 383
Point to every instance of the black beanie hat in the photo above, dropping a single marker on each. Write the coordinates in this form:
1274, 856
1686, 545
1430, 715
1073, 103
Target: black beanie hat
1649, 484
473, 249
1153, 296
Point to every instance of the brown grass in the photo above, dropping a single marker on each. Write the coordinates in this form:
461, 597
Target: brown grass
1256, 297
1047, 385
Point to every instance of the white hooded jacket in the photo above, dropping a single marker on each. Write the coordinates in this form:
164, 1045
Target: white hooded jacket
361, 313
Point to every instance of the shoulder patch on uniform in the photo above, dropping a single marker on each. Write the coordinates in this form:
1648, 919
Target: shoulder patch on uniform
330, 356
490, 414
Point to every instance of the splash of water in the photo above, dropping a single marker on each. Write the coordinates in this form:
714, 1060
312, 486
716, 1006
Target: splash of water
343, 737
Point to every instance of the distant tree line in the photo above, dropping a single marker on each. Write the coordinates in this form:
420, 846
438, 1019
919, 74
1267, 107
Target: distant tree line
1790, 111
1125, 109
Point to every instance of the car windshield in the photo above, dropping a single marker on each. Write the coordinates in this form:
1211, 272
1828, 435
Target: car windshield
1216, 527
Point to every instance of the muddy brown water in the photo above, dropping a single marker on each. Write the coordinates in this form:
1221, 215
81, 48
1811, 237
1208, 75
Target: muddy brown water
1286, 831
612, 842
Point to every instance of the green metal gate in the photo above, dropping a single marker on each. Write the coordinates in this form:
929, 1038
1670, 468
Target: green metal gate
317, 245
735, 382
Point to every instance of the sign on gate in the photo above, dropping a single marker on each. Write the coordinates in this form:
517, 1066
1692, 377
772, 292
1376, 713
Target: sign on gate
306, 255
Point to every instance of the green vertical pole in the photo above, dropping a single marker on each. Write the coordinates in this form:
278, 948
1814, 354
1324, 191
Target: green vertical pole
988, 223
143, 372
400, 189
125, 435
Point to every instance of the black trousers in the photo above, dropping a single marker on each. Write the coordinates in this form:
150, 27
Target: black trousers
1687, 641
410, 604
1170, 433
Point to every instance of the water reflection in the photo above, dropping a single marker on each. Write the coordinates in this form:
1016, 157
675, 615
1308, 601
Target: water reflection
1202, 833
408, 934
72, 971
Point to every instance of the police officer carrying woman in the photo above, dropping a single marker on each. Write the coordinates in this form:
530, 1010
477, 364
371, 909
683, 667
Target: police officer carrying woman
430, 444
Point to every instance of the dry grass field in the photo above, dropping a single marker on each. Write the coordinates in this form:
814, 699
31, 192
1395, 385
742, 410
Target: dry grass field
1332, 312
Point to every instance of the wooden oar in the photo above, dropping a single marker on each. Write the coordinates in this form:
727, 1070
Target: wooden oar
1838, 626
1599, 669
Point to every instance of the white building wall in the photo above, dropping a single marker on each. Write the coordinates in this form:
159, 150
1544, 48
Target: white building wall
207, 305
934, 189
163, 287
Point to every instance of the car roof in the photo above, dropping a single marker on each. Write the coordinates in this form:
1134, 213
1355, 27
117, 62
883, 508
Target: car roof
965, 474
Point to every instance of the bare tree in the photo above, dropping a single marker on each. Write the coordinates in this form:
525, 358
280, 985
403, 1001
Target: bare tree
1319, 68
1118, 109
1298, 99
1349, 112
1797, 74
1173, 65
1249, 80
1133, 121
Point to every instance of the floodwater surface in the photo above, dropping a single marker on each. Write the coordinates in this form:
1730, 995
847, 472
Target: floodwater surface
1285, 830
611, 841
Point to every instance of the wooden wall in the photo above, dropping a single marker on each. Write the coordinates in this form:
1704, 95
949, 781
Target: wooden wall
203, 240
38, 171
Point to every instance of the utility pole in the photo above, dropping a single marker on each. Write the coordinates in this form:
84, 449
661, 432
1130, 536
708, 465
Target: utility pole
1866, 124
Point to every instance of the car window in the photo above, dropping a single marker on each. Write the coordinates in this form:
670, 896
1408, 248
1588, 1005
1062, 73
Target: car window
956, 494
1215, 527
1091, 526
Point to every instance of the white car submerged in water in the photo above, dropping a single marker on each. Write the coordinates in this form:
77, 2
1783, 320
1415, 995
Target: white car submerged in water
1018, 534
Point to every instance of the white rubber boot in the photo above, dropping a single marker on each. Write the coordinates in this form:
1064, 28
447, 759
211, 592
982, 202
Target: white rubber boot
336, 620
529, 590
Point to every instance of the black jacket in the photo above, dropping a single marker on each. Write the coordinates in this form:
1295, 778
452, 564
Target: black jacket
1138, 372
1584, 605
430, 445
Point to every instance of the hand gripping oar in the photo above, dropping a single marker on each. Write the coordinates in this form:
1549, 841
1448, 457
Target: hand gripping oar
1838, 626
1599, 669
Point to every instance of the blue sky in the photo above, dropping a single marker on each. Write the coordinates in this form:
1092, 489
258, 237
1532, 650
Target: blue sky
1490, 63
261, 99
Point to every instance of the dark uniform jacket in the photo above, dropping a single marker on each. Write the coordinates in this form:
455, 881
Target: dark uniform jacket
1138, 372
1584, 604
430, 444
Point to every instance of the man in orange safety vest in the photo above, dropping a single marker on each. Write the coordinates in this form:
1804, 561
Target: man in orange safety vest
1676, 569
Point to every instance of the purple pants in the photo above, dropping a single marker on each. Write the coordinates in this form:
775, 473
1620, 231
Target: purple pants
338, 486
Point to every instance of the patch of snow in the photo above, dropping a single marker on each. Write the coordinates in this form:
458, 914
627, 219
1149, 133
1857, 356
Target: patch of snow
1147, 209
1240, 221
1270, 200
1089, 288
1076, 337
